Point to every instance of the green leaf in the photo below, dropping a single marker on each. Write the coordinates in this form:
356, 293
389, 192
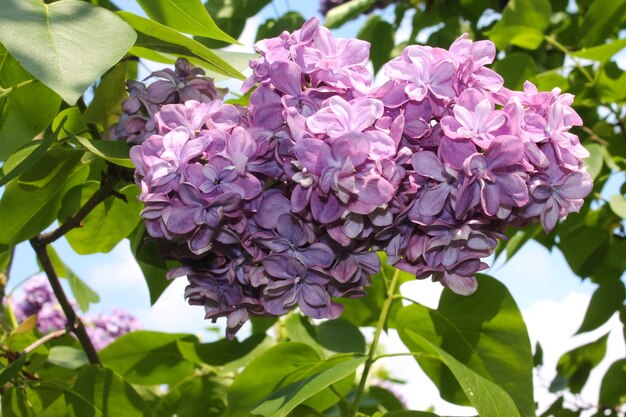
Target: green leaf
601, 21
516, 68
601, 53
488, 398
19, 402
106, 107
188, 16
30, 204
26, 111
520, 238
606, 300
231, 16
378, 398
203, 396
69, 121
380, 34
409, 413
24, 158
585, 239
523, 24
107, 224
65, 54
341, 336
110, 150
595, 162
11, 371
108, 394
83, 294
618, 205
153, 35
67, 357
148, 358
264, 375
485, 331
349, 10
280, 403
538, 356
271, 28
611, 85
153, 266
613, 386
574, 367
221, 352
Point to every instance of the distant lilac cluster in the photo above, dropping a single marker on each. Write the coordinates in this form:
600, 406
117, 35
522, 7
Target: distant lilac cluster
39, 299
183, 83
285, 202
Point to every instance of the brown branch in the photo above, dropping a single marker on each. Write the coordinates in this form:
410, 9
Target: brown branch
106, 189
75, 325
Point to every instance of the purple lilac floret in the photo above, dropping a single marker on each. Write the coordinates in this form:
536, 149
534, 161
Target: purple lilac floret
184, 83
283, 204
38, 299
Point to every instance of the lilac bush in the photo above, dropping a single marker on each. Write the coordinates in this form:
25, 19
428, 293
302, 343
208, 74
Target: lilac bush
285, 202
38, 299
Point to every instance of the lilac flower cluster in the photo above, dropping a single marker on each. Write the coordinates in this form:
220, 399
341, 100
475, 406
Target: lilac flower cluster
39, 299
285, 202
183, 83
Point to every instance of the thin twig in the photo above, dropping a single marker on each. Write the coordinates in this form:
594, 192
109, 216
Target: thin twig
594, 136
7, 91
75, 325
566, 51
392, 355
342, 399
106, 189
44, 339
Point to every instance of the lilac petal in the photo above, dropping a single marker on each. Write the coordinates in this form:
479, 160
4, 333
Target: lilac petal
274, 205
315, 301
441, 80
467, 197
200, 242
374, 190
314, 154
286, 76
454, 152
432, 200
325, 210
504, 151
318, 254
353, 226
289, 227
490, 199
284, 267
428, 165
576, 185
278, 306
274, 244
513, 189
550, 215
365, 111
460, 284
182, 220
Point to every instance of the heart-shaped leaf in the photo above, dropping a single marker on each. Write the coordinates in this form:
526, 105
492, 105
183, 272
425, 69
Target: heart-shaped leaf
67, 44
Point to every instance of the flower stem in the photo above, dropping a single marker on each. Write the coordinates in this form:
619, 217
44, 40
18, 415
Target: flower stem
384, 315
7, 91
44, 339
